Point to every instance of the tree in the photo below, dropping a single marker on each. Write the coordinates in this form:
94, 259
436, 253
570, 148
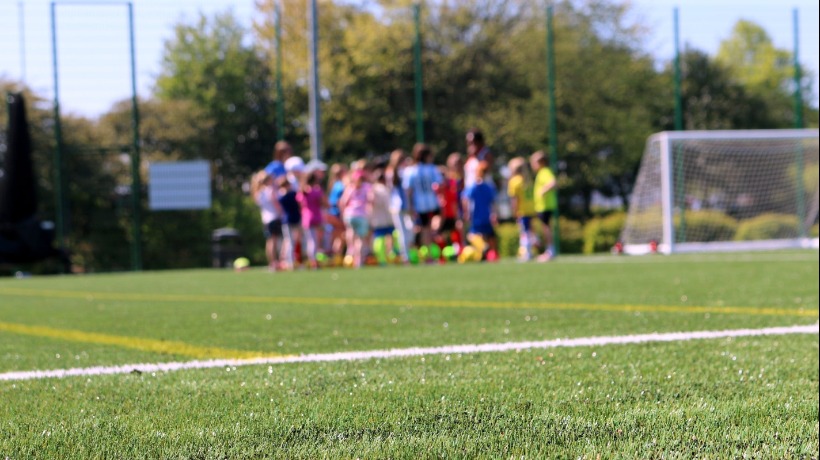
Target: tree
766, 71
712, 99
210, 65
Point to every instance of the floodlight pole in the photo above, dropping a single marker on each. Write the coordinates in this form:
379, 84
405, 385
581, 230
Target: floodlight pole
680, 192
136, 184
798, 95
553, 129
59, 212
22, 19
280, 102
315, 109
678, 100
798, 123
418, 74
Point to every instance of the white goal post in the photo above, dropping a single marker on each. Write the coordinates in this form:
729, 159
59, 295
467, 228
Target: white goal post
732, 190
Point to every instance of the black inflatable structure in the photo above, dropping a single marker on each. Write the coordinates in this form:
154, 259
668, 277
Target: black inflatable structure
24, 238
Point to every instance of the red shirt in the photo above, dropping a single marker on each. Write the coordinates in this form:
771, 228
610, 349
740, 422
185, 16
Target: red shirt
448, 193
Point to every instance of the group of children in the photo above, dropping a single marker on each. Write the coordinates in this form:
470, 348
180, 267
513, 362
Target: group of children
404, 209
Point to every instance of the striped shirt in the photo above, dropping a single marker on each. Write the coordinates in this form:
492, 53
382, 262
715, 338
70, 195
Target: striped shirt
419, 180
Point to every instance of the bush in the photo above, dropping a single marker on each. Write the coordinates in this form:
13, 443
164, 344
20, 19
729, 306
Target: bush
507, 234
705, 226
571, 233
601, 233
815, 231
768, 227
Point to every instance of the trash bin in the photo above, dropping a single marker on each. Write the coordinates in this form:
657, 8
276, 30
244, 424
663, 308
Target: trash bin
226, 246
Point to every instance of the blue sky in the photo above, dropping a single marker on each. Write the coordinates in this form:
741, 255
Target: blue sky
94, 56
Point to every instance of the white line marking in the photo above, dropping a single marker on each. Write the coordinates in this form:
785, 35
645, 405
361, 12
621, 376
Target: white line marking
408, 352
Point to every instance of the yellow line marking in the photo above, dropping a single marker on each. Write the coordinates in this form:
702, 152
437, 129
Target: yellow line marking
123, 296
167, 347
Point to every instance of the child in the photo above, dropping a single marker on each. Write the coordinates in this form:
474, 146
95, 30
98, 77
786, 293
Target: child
336, 187
545, 200
354, 204
264, 196
479, 199
312, 200
398, 202
449, 192
380, 218
292, 228
520, 191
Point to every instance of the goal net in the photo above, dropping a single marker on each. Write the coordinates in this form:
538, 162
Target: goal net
725, 191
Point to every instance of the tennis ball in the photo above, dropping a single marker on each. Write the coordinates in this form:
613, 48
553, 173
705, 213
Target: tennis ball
413, 256
241, 263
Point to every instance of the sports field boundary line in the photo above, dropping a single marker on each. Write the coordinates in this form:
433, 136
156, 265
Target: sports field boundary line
421, 303
410, 352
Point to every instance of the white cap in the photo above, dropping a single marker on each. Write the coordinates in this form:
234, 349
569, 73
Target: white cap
315, 165
294, 164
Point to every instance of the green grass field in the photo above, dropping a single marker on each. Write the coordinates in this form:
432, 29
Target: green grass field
748, 396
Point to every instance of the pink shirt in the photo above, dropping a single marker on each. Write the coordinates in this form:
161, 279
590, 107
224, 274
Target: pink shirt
356, 201
311, 203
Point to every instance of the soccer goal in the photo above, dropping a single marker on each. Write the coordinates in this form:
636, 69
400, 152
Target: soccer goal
739, 190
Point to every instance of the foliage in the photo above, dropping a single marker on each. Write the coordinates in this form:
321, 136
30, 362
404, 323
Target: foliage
210, 65
705, 225
571, 237
601, 233
713, 99
571, 233
483, 65
768, 227
765, 70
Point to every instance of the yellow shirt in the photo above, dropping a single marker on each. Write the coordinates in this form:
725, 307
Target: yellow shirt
548, 201
523, 193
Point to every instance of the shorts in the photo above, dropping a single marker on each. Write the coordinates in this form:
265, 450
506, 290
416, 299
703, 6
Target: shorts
359, 225
485, 230
525, 223
425, 218
383, 231
448, 224
273, 229
545, 217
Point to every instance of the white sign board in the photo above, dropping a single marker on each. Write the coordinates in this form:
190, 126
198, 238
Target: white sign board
179, 185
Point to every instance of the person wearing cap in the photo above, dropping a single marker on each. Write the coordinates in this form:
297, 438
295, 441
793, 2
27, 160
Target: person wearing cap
295, 168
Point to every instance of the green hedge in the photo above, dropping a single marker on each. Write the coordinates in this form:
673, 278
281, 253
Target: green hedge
705, 226
768, 227
570, 233
601, 233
